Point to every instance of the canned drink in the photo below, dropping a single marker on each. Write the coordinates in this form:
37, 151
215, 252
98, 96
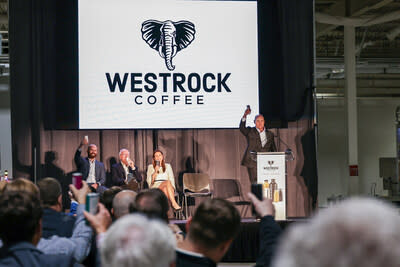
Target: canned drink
92, 199
77, 180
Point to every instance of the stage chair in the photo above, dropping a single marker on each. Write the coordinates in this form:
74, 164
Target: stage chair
229, 188
195, 185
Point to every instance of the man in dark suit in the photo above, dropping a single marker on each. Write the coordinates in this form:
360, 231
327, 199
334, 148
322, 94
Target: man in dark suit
210, 233
259, 139
93, 171
20, 224
125, 170
54, 221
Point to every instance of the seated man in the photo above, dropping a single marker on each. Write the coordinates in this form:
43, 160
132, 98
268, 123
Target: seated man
54, 221
93, 171
151, 202
78, 245
135, 240
121, 203
125, 170
210, 233
20, 224
108, 196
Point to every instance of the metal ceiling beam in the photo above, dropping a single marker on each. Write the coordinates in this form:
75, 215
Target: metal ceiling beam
356, 22
357, 8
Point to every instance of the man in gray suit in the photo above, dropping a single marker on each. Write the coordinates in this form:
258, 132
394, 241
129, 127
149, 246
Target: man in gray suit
259, 139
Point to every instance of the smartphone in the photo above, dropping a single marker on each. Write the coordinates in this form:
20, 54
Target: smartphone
92, 199
87, 138
77, 180
257, 190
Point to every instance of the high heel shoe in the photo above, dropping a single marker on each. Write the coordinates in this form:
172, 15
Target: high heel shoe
178, 209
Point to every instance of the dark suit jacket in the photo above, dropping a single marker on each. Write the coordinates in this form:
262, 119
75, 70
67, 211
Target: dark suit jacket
56, 223
83, 166
254, 143
269, 237
118, 174
188, 260
26, 254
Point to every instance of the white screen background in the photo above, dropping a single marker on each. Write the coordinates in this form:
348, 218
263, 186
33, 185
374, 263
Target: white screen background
110, 41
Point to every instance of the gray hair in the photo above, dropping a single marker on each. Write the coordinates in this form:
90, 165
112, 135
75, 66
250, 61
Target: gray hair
122, 201
122, 150
135, 240
357, 232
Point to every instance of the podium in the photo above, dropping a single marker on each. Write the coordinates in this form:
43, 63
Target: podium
271, 173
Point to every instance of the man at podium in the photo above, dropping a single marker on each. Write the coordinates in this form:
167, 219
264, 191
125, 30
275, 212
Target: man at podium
258, 139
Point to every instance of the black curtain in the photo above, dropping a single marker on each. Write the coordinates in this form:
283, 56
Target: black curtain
286, 59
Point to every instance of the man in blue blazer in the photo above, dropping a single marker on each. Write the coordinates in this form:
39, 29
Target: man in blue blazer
93, 171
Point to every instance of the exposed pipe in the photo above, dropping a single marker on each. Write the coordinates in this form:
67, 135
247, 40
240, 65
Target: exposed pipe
356, 22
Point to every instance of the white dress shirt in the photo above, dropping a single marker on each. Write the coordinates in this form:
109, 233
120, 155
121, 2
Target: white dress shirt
91, 179
263, 137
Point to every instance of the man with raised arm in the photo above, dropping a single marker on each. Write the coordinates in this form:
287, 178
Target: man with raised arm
259, 139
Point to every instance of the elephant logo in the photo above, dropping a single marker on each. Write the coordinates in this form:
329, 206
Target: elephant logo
168, 37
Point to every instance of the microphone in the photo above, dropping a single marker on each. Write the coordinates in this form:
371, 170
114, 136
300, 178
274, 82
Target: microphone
158, 164
129, 161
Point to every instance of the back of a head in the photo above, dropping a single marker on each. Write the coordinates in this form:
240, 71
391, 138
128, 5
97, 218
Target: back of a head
20, 213
153, 203
122, 201
356, 232
50, 190
108, 196
135, 240
22, 185
214, 222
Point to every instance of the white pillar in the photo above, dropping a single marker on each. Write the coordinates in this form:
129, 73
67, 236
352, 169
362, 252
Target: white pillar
351, 105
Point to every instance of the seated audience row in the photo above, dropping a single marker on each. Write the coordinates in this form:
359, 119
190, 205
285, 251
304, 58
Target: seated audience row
357, 232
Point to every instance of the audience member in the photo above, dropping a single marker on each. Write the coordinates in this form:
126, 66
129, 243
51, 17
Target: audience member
78, 245
210, 232
80, 242
20, 231
54, 221
121, 203
356, 232
135, 240
153, 203
269, 230
93, 171
125, 170
108, 196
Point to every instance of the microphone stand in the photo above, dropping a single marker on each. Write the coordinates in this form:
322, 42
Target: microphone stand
288, 152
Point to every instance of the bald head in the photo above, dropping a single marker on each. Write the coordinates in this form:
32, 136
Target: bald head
122, 201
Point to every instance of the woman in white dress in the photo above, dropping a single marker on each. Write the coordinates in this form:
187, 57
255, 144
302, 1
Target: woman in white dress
161, 176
